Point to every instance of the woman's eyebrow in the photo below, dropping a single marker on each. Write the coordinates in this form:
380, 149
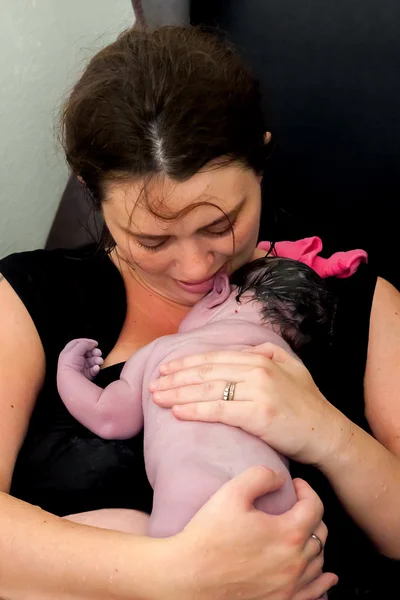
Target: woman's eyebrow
227, 216
145, 236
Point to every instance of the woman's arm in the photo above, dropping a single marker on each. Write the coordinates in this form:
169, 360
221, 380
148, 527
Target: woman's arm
22, 370
58, 559
364, 471
366, 478
229, 546
43, 556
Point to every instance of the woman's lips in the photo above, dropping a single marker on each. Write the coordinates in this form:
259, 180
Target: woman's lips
199, 287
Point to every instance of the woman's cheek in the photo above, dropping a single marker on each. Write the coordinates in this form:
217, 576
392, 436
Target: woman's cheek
246, 239
150, 262
245, 245
153, 267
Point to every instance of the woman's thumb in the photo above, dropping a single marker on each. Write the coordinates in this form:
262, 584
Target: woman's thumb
253, 483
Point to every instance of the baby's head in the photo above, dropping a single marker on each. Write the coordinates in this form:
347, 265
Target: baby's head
220, 304
293, 299
281, 293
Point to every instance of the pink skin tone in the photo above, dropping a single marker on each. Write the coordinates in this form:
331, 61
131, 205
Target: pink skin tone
186, 463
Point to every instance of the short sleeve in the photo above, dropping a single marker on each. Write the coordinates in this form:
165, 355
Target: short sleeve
28, 274
66, 293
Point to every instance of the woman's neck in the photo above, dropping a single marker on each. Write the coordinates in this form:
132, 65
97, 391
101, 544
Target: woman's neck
151, 311
149, 316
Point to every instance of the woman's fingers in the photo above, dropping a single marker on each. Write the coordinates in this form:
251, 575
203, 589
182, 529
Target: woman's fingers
212, 391
214, 358
306, 515
306, 518
314, 555
313, 547
313, 570
250, 485
257, 356
206, 392
229, 413
317, 588
205, 373
236, 414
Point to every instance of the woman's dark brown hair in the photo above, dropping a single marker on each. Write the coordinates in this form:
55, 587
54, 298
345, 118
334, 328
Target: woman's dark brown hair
164, 101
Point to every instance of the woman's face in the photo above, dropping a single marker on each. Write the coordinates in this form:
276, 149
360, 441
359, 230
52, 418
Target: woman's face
179, 258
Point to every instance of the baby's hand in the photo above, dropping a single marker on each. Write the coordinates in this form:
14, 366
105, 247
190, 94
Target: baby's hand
83, 356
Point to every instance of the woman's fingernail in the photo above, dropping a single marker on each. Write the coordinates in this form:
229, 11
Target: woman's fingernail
164, 368
153, 385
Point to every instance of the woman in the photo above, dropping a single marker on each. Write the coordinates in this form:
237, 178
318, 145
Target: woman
166, 132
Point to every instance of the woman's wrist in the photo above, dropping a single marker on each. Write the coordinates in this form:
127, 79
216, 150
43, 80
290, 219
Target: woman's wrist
335, 440
170, 569
366, 478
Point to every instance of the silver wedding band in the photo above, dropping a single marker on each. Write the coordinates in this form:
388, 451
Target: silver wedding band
320, 544
229, 392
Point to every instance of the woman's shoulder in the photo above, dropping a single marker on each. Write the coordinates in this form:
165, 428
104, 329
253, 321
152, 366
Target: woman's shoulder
41, 261
46, 271
355, 294
64, 290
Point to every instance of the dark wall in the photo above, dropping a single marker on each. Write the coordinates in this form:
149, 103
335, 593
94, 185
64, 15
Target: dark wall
330, 73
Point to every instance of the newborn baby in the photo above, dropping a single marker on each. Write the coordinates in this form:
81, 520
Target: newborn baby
272, 299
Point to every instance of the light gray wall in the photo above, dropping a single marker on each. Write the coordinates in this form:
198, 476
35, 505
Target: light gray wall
44, 44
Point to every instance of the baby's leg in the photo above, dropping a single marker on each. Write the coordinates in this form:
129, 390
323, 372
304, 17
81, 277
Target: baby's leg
118, 519
179, 493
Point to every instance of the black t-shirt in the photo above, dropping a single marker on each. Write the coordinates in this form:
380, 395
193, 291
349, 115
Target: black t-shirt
65, 469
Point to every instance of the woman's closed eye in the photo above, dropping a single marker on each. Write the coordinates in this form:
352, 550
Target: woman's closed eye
220, 230
152, 246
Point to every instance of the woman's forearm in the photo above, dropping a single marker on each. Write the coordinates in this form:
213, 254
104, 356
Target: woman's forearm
46, 557
366, 478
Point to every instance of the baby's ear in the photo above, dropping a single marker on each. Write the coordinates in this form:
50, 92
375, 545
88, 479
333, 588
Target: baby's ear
220, 292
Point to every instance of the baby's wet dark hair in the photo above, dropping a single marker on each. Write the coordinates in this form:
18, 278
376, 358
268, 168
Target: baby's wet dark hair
295, 300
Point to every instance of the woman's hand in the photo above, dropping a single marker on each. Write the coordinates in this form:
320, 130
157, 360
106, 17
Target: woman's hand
275, 399
232, 550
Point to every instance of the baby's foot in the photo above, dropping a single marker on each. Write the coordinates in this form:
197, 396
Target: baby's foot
83, 356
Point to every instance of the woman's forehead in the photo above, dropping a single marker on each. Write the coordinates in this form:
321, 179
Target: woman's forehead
212, 193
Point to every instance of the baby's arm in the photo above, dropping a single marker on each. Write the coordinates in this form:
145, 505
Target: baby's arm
113, 413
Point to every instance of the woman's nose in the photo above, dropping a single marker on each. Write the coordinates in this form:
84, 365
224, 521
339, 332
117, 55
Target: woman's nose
194, 264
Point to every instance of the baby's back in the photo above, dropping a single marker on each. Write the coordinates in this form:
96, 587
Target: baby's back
177, 447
